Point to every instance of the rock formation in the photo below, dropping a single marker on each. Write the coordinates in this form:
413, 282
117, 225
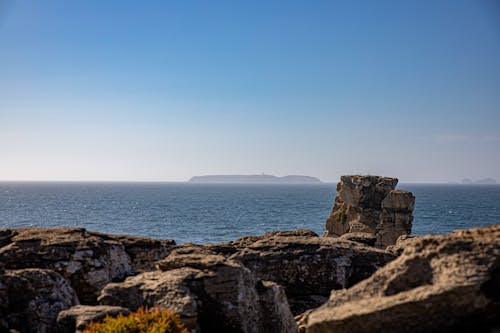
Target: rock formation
210, 293
88, 260
310, 267
34, 298
307, 266
444, 283
256, 284
371, 205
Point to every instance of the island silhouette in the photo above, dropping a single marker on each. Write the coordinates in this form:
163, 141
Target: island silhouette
255, 179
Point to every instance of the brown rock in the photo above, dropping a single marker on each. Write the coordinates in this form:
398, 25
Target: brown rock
210, 293
77, 318
309, 268
370, 204
35, 297
443, 283
360, 237
396, 218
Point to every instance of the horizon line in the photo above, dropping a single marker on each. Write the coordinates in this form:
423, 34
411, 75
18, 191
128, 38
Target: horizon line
444, 182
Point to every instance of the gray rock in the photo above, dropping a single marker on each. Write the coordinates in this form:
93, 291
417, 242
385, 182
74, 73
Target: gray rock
143, 251
77, 318
88, 260
444, 283
35, 297
307, 266
210, 293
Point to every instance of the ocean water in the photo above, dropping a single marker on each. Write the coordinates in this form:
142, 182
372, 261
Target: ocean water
208, 213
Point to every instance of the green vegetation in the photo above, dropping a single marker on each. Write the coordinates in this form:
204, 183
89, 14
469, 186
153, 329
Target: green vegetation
143, 321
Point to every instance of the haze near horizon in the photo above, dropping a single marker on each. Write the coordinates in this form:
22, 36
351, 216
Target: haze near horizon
165, 91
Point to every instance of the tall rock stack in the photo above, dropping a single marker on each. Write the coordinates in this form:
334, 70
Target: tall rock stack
371, 205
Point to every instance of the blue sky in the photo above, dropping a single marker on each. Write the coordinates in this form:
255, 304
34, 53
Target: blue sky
118, 90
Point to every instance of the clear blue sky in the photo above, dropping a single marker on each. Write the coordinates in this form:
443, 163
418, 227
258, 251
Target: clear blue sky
118, 90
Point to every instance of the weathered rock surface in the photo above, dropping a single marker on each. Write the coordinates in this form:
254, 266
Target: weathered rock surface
77, 318
210, 292
89, 260
143, 251
35, 297
370, 204
360, 237
443, 283
307, 266
396, 218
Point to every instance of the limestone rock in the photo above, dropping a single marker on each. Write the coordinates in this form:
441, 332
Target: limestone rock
360, 237
370, 204
307, 266
77, 318
396, 218
169, 290
144, 252
35, 297
444, 283
88, 260
210, 292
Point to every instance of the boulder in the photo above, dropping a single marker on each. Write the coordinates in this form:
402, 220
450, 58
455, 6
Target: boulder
444, 283
370, 204
35, 297
210, 293
143, 251
88, 260
307, 266
77, 318
310, 267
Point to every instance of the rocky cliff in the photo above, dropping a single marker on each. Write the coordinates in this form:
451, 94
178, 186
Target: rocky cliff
253, 284
445, 283
371, 205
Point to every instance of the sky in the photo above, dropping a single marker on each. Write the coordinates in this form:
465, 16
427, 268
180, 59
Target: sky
166, 90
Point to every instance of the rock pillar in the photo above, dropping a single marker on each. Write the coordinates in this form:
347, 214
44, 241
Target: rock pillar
371, 205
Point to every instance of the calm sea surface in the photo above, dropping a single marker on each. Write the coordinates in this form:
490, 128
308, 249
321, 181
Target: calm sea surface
206, 213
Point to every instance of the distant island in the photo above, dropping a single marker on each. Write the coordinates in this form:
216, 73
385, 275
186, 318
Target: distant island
479, 181
255, 179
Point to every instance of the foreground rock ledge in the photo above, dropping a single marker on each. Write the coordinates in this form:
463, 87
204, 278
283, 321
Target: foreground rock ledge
88, 260
445, 283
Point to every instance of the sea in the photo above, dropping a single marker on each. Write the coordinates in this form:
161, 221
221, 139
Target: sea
211, 213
